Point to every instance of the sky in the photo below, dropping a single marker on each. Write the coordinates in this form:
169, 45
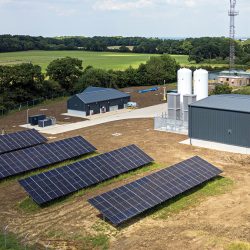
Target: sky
149, 18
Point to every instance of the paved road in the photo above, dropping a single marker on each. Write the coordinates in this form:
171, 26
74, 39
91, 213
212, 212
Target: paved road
148, 112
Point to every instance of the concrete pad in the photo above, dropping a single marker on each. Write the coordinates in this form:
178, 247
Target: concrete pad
40, 129
148, 112
182, 131
101, 115
217, 146
74, 115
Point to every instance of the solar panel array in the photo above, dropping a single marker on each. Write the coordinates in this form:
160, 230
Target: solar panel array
59, 182
43, 155
134, 198
19, 140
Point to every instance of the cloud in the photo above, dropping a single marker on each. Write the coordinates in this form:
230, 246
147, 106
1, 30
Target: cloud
184, 3
3, 2
122, 5
116, 5
61, 11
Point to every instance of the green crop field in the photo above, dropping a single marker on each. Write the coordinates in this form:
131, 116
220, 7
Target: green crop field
104, 60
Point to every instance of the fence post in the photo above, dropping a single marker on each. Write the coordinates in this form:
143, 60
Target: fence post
5, 235
46, 246
25, 242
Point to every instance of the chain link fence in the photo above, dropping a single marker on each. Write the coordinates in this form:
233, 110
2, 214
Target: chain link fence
30, 104
163, 123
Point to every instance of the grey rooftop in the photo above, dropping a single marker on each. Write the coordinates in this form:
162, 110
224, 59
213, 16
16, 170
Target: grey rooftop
96, 94
230, 102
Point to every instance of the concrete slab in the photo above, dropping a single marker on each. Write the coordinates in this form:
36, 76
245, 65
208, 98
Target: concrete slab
217, 146
96, 116
182, 131
40, 129
74, 115
148, 112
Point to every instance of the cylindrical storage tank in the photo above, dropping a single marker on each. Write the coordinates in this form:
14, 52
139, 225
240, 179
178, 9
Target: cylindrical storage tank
200, 84
184, 84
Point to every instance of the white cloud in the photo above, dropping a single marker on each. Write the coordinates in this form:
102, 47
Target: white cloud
2, 2
190, 3
138, 4
122, 5
61, 11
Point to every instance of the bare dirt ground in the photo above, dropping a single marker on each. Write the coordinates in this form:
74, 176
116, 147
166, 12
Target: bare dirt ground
11, 122
211, 224
147, 99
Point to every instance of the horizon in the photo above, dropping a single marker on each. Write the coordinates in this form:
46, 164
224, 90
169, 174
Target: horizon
147, 37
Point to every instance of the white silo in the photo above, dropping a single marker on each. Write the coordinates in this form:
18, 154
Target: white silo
184, 82
200, 84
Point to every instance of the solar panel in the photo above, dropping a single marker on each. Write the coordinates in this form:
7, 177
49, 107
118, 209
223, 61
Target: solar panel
43, 155
136, 197
59, 182
19, 140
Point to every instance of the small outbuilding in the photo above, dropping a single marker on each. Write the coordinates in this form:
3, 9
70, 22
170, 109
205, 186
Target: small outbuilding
95, 100
221, 118
235, 78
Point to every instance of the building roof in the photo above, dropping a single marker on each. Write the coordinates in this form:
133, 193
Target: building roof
234, 77
239, 103
235, 73
97, 94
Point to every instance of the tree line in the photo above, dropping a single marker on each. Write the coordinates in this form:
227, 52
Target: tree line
26, 82
205, 49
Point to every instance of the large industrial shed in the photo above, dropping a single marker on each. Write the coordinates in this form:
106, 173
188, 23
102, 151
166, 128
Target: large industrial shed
95, 100
221, 118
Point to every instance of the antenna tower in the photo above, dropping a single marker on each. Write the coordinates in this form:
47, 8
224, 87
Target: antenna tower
232, 13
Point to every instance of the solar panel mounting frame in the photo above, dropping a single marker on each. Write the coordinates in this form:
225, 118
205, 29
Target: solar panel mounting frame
20, 140
121, 204
43, 155
45, 187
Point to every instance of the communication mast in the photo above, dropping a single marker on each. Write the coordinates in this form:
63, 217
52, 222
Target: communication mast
232, 13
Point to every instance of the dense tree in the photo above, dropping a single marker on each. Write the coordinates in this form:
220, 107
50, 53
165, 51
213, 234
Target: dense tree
124, 49
20, 83
158, 69
93, 77
66, 71
155, 71
246, 48
222, 89
207, 48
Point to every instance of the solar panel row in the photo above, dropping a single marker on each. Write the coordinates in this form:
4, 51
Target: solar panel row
59, 182
134, 198
19, 140
43, 155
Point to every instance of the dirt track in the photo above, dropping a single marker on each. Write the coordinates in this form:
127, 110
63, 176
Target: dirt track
210, 225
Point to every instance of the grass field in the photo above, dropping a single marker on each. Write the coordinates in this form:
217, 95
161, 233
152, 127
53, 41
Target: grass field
104, 60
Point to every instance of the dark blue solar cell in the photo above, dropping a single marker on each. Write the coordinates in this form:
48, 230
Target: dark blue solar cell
19, 140
134, 198
42, 155
87, 172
